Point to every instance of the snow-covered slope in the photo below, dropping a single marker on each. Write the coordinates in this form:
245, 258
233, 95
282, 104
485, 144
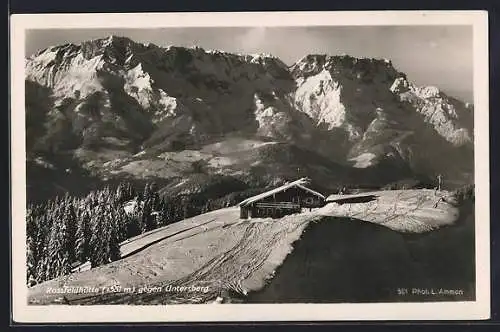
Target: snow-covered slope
227, 254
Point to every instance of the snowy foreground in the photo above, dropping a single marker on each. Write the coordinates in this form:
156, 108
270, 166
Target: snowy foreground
414, 211
211, 257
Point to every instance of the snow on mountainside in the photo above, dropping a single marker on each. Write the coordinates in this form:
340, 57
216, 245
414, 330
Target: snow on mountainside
106, 100
326, 85
175, 84
450, 118
382, 113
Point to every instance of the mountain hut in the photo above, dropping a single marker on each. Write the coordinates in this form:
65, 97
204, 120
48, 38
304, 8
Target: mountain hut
288, 199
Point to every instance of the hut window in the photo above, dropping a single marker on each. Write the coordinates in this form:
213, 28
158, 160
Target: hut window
309, 200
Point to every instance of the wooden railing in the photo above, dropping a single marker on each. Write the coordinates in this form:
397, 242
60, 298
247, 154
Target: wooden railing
280, 205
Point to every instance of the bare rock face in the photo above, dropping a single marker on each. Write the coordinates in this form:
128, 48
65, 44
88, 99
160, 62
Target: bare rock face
450, 118
113, 94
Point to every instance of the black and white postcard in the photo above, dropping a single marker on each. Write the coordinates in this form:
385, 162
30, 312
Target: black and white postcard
269, 166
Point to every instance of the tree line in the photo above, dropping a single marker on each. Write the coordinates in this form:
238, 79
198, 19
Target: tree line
65, 231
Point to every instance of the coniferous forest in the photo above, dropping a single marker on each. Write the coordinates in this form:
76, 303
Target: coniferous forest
66, 231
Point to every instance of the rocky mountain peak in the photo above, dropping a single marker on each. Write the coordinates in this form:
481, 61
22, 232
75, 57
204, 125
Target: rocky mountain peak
345, 66
125, 95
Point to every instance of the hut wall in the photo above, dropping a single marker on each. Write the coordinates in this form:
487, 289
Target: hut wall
243, 212
298, 196
268, 212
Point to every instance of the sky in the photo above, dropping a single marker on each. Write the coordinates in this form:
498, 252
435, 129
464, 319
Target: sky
429, 55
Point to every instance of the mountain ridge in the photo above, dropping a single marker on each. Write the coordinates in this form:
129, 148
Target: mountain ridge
110, 99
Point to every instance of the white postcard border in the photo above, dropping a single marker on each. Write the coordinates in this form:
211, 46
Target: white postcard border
479, 309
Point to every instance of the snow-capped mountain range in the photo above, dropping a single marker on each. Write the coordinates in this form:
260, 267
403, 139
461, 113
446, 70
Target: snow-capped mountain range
112, 102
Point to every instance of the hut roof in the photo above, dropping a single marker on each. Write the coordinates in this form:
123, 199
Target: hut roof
298, 183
